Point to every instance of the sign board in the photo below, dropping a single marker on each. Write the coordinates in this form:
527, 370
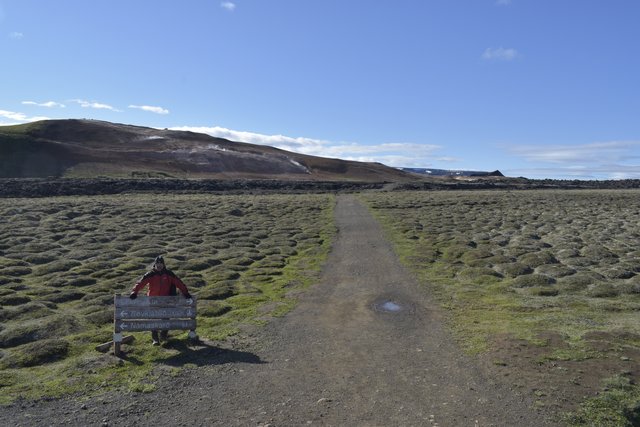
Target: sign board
154, 325
155, 313
151, 314
145, 301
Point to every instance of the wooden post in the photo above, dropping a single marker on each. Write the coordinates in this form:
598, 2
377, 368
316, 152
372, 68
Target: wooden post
117, 335
107, 345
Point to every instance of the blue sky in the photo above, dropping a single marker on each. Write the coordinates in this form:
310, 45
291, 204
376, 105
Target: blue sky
534, 88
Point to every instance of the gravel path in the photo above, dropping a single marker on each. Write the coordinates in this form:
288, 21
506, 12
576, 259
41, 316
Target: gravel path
365, 346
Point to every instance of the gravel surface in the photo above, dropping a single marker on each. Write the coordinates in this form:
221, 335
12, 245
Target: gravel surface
365, 346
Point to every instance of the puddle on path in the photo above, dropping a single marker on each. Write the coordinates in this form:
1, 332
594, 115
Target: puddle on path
390, 306
393, 304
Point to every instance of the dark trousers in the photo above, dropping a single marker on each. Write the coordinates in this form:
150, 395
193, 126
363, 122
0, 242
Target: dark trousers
157, 337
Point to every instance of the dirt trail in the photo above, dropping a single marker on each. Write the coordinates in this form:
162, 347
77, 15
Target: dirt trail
338, 359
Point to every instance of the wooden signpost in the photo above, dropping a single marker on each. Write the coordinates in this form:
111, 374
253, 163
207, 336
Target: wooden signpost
152, 313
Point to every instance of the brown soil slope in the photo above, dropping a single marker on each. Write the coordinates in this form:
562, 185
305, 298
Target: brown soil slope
90, 148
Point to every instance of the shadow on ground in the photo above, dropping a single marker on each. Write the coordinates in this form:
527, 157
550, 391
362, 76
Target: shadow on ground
205, 354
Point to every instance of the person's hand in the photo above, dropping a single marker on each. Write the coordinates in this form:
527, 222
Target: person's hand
133, 295
187, 295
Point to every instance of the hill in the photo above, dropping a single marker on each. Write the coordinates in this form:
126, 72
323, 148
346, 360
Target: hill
92, 148
453, 173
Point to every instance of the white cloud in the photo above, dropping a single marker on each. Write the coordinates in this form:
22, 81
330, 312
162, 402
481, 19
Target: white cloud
20, 117
17, 118
598, 160
391, 154
94, 105
228, 6
301, 145
16, 35
157, 110
631, 172
600, 172
48, 104
500, 53
448, 159
597, 152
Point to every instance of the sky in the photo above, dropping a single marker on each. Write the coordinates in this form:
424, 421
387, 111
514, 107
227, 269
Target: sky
533, 88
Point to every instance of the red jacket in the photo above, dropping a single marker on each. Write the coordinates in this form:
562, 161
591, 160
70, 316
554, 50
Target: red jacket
161, 283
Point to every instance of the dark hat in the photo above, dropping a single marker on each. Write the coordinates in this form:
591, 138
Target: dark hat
159, 259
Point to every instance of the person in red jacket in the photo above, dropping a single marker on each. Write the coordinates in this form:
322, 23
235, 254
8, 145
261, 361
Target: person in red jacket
162, 282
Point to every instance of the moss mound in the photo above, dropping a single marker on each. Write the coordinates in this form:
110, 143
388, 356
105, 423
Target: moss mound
36, 353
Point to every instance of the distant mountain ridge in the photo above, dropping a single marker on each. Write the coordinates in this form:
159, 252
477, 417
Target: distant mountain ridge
445, 172
93, 148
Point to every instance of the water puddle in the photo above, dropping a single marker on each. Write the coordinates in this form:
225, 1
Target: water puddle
391, 306
388, 306
394, 304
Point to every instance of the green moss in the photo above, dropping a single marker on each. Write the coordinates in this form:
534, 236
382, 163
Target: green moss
578, 281
475, 272
35, 330
477, 254
217, 292
514, 269
524, 244
597, 252
199, 264
56, 267
213, 310
13, 300
543, 291
530, 280
63, 296
452, 253
536, 259
31, 310
36, 353
617, 405
100, 317
16, 271
81, 281
603, 290
618, 273
629, 288
140, 387
279, 241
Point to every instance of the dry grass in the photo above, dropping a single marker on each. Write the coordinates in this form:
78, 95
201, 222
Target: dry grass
528, 264
62, 259
532, 237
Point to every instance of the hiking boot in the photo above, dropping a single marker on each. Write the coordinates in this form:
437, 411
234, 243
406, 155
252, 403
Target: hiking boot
155, 342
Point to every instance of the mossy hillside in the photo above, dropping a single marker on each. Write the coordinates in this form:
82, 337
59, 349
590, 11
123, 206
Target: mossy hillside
524, 264
62, 260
